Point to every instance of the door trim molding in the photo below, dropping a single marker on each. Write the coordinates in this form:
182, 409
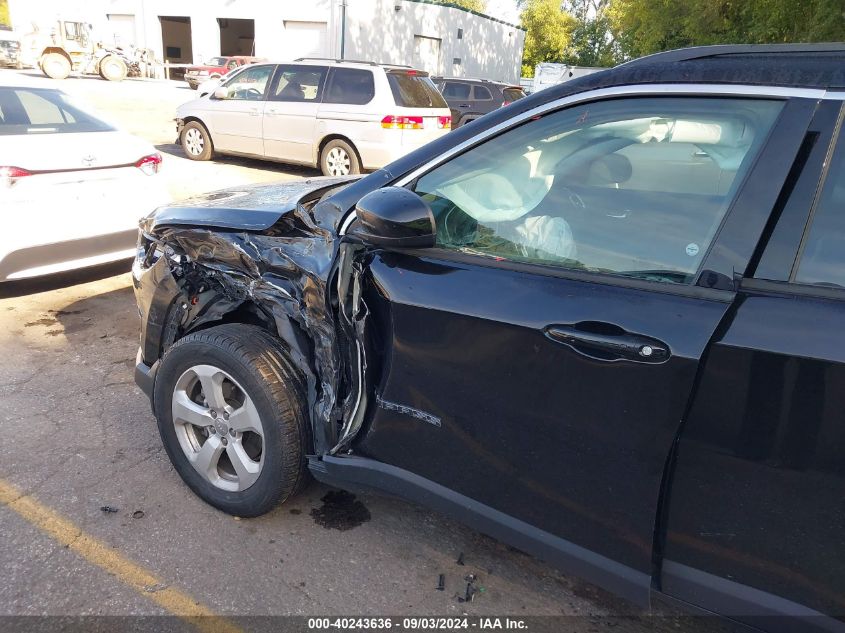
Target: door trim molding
748, 605
363, 474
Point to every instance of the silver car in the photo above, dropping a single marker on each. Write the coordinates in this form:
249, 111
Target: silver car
343, 117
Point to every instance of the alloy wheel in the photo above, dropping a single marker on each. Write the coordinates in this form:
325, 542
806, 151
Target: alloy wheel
218, 428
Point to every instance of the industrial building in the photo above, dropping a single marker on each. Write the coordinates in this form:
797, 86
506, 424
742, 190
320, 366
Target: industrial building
442, 39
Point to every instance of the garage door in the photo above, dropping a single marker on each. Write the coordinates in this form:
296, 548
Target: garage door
306, 39
122, 27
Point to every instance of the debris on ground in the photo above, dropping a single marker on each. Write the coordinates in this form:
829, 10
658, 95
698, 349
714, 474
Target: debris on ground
340, 511
157, 587
138, 514
471, 589
460, 560
441, 583
109, 509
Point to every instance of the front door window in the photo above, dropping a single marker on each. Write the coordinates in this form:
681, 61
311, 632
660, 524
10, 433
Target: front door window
634, 187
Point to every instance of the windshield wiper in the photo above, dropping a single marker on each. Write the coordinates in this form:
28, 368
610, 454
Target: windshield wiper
658, 275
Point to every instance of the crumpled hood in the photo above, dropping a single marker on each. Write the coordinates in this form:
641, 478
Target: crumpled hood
242, 208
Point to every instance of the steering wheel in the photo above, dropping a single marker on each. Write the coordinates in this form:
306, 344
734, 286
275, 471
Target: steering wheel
255, 91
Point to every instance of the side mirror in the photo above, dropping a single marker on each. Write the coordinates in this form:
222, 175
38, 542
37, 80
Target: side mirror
220, 93
394, 217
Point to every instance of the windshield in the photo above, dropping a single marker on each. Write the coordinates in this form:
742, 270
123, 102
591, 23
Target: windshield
42, 111
414, 90
216, 61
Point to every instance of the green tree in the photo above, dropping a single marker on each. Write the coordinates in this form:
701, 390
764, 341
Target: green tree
548, 34
5, 19
479, 6
641, 27
593, 42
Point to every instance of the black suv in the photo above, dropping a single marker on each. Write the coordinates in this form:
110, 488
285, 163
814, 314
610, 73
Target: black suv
469, 99
604, 325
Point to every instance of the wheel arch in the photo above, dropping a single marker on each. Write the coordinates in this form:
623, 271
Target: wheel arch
196, 119
56, 49
246, 312
284, 330
334, 136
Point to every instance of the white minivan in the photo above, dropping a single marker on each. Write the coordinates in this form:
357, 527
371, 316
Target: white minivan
342, 116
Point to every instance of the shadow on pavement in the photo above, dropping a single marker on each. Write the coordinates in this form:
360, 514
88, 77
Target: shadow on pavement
175, 149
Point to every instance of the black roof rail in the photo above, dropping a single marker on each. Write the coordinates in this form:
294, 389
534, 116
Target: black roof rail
719, 50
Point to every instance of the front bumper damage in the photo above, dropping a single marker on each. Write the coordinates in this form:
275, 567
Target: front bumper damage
231, 256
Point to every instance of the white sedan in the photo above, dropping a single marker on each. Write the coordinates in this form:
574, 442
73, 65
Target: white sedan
72, 187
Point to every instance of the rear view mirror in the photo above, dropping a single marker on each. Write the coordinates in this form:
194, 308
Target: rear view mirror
220, 93
394, 217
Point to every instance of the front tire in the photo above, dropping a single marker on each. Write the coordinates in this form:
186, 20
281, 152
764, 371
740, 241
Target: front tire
339, 158
196, 141
55, 66
112, 68
231, 414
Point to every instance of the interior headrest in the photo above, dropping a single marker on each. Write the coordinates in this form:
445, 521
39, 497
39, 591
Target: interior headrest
610, 169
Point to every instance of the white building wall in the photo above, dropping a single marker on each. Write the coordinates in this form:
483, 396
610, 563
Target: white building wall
375, 30
270, 18
489, 49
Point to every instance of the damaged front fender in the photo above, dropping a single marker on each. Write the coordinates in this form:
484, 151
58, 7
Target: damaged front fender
273, 264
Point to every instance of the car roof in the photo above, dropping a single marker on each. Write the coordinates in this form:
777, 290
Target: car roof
820, 66
345, 63
351, 63
473, 80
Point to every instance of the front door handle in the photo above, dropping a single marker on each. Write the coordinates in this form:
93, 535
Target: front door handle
463, 105
608, 342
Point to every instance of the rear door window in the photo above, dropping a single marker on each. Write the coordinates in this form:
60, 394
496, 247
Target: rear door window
452, 90
821, 260
412, 89
299, 83
481, 93
351, 86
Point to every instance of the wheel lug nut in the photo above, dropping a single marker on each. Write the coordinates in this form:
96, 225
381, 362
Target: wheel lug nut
213, 413
225, 415
212, 430
225, 441
232, 432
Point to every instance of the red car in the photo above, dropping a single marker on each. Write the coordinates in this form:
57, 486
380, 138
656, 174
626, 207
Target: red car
215, 67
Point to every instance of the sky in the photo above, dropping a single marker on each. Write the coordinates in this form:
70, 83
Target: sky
504, 10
